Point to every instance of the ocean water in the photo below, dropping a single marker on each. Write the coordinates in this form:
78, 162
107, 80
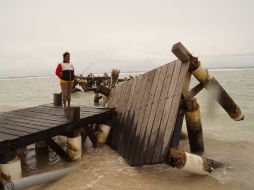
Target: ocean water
225, 140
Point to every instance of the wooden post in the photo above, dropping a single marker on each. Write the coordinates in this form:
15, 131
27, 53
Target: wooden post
10, 166
57, 99
114, 77
194, 91
209, 82
192, 163
74, 140
194, 125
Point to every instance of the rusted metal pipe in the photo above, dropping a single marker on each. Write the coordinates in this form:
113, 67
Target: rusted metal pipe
38, 179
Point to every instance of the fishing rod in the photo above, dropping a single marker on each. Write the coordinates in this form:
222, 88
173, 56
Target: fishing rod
87, 67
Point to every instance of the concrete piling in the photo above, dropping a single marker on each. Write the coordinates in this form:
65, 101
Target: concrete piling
74, 147
103, 133
192, 163
10, 166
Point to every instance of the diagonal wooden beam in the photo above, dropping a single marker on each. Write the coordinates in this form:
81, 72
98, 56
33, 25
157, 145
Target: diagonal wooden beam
54, 146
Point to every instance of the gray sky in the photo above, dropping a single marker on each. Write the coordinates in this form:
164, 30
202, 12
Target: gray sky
129, 35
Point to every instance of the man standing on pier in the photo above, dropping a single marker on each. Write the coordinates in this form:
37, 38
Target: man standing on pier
65, 72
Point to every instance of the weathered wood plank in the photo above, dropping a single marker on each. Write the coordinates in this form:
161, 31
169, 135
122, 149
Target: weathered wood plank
130, 113
116, 123
139, 130
6, 136
23, 125
119, 108
32, 120
137, 109
18, 128
119, 136
151, 103
13, 132
35, 117
173, 113
148, 147
22, 121
147, 152
166, 112
124, 111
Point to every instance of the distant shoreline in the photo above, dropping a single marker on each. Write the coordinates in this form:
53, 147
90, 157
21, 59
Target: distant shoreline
139, 72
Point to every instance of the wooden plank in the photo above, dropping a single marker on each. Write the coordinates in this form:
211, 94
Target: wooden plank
170, 119
114, 128
54, 146
151, 135
124, 121
33, 120
5, 136
143, 120
60, 111
133, 113
126, 118
133, 102
36, 116
167, 109
146, 151
116, 123
82, 107
119, 136
144, 94
13, 132
46, 117
123, 112
23, 125
18, 128
47, 125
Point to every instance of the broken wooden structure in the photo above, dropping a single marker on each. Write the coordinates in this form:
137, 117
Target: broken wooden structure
150, 110
91, 82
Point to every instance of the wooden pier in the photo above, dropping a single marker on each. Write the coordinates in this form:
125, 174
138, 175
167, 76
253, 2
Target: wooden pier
22, 127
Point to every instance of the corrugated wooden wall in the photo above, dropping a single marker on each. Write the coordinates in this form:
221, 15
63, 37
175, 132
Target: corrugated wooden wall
147, 108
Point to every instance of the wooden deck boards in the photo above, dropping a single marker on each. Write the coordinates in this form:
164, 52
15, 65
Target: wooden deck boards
147, 108
25, 126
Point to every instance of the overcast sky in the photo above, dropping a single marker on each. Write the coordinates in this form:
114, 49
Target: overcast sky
132, 35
